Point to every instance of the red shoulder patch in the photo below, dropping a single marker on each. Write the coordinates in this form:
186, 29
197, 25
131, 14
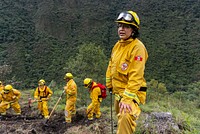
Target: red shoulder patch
138, 58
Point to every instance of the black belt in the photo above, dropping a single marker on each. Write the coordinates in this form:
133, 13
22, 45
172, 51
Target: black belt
144, 89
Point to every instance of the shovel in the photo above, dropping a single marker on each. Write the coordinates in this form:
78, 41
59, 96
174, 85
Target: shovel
46, 120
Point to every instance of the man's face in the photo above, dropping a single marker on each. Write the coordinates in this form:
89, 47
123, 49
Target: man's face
67, 79
41, 86
124, 31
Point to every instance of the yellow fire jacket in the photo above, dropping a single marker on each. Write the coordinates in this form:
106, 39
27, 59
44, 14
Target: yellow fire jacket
44, 92
1, 88
71, 90
125, 72
13, 95
94, 95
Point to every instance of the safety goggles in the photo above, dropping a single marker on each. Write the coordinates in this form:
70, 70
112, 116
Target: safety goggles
87, 85
6, 91
126, 17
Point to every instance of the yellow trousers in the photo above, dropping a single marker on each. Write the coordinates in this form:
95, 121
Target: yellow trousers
15, 106
91, 110
70, 109
126, 121
43, 108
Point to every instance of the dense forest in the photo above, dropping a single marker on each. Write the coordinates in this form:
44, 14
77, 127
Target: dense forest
47, 38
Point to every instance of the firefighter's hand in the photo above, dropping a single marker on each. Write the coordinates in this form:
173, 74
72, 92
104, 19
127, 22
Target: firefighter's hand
125, 107
15, 97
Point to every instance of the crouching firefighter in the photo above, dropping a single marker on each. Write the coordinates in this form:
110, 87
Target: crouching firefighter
42, 95
10, 98
95, 92
71, 96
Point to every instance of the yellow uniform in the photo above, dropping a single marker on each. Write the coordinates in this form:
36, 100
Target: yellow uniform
94, 107
125, 75
10, 99
71, 95
42, 94
1, 89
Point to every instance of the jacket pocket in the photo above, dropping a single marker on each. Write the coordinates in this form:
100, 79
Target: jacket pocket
123, 67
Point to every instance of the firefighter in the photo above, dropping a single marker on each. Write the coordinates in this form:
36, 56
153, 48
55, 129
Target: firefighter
125, 72
10, 98
95, 92
71, 95
42, 94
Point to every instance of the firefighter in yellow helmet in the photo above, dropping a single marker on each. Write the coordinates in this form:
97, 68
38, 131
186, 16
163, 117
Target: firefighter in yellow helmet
71, 96
42, 94
125, 72
10, 97
95, 92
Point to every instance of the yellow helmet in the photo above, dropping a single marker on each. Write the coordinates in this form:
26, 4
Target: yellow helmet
41, 82
87, 82
68, 75
8, 88
0, 82
129, 17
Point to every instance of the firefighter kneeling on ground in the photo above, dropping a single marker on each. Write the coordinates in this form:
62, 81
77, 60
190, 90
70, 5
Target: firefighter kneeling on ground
10, 98
95, 92
71, 95
42, 95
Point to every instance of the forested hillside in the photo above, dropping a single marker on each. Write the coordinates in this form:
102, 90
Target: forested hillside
46, 38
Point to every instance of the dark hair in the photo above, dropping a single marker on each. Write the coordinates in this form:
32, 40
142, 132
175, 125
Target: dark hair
135, 33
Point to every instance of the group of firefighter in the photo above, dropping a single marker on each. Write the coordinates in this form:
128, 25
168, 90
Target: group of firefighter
9, 97
124, 79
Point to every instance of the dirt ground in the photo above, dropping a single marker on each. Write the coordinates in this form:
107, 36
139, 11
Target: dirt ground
30, 123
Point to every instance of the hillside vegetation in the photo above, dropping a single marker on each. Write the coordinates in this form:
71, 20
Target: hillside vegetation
38, 37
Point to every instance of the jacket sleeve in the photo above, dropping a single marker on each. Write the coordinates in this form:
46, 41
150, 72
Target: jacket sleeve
50, 92
108, 76
135, 74
36, 94
17, 93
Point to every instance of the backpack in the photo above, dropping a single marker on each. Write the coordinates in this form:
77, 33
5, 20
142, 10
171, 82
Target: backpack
103, 90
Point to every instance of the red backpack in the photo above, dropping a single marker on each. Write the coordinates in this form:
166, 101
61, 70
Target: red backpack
103, 90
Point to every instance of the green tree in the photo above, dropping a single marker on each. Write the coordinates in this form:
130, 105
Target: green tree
90, 61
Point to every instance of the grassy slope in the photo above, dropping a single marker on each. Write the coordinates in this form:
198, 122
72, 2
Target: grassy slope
185, 113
